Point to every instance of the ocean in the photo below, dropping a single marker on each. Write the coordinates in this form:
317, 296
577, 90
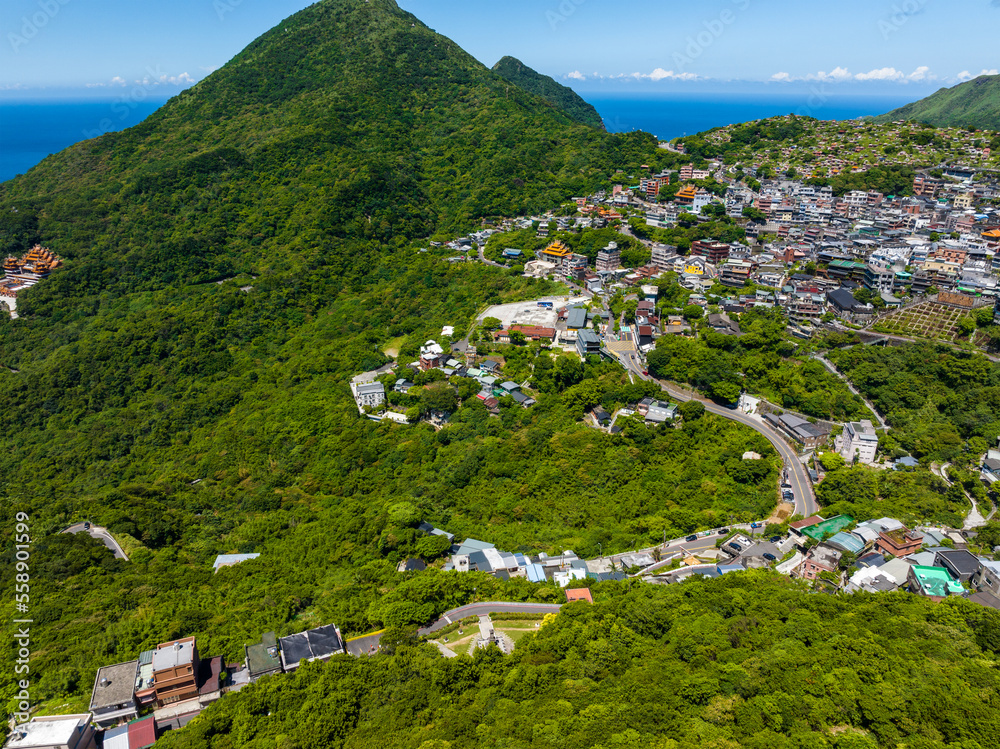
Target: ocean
30, 131
675, 115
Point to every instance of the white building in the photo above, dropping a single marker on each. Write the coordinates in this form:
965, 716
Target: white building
370, 394
58, 732
858, 439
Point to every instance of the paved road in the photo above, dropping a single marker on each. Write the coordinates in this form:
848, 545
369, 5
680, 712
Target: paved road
975, 518
367, 645
485, 609
850, 386
805, 500
101, 534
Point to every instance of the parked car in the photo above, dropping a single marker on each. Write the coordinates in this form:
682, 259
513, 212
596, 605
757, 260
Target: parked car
723, 531
770, 557
774, 539
756, 525
735, 547
86, 526
692, 538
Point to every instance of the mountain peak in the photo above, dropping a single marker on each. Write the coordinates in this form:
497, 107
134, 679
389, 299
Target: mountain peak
562, 97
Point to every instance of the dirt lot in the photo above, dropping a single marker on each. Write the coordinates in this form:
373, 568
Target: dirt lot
529, 313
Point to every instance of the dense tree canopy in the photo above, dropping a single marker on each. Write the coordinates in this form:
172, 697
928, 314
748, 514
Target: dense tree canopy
748, 661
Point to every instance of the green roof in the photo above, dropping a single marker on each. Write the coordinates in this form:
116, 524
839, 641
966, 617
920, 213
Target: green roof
937, 581
828, 527
263, 658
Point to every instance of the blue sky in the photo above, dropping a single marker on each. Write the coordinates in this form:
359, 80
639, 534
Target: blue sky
106, 47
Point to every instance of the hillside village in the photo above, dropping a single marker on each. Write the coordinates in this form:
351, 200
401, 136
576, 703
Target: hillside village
825, 261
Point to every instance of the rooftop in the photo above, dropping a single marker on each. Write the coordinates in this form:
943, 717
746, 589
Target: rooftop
828, 527
142, 733
224, 560
321, 642
936, 581
46, 731
173, 654
114, 685
262, 658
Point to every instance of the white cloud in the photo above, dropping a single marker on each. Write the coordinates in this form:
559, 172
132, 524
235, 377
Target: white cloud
881, 74
116, 81
837, 74
842, 74
659, 74
965, 75
576, 75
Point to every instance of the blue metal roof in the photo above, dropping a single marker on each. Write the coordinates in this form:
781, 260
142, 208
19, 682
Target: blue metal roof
847, 542
536, 573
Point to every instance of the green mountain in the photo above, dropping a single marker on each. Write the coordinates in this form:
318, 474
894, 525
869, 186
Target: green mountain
975, 103
349, 122
559, 96
230, 264
183, 382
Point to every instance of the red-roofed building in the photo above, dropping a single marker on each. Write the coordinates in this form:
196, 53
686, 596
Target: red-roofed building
142, 733
800, 525
579, 594
530, 333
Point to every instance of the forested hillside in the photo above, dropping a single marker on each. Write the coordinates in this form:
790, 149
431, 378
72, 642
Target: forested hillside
746, 661
975, 103
940, 402
230, 264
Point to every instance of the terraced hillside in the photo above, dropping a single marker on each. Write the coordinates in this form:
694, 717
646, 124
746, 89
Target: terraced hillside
925, 320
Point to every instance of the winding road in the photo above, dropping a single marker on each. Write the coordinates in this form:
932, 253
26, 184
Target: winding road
102, 535
485, 609
805, 499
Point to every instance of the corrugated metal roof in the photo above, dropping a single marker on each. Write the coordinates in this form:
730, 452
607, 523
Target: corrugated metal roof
116, 738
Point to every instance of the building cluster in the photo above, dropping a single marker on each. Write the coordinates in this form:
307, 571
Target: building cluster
370, 392
472, 555
24, 272
134, 703
884, 555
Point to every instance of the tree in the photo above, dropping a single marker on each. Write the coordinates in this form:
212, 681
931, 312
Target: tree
492, 323
691, 410
966, 327
517, 338
439, 397
693, 312
726, 391
754, 214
